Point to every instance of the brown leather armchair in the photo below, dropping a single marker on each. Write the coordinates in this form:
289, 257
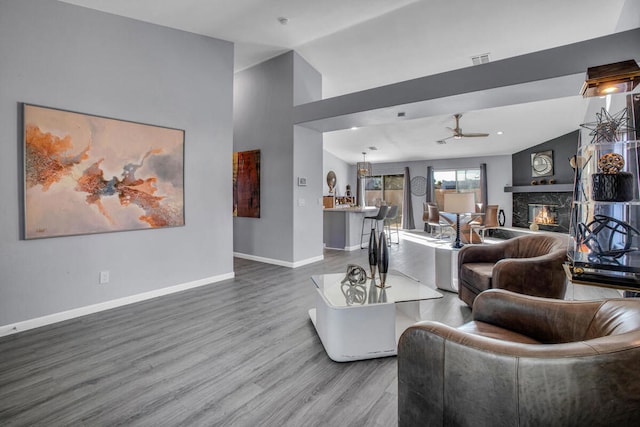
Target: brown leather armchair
530, 264
524, 361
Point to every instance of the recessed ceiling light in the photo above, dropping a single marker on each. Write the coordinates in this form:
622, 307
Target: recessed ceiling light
354, 128
500, 132
373, 148
283, 20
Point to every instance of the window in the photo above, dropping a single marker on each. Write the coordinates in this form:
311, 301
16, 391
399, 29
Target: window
456, 180
387, 188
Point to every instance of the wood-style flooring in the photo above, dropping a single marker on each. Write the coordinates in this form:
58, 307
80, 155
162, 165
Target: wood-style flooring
242, 352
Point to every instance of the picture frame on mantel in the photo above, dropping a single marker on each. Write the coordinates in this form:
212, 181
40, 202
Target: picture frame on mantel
86, 174
542, 164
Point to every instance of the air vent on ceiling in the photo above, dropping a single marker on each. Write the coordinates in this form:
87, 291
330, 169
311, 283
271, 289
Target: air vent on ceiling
441, 142
372, 148
480, 59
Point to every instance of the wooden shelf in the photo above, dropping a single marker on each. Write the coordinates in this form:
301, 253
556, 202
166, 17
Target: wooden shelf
541, 188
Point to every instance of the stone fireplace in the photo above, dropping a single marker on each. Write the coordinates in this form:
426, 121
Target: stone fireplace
551, 211
543, 214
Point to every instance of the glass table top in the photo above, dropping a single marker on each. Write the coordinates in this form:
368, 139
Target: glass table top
400, 288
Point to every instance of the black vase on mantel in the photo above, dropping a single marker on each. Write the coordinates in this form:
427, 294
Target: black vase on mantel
383, 260
373, 253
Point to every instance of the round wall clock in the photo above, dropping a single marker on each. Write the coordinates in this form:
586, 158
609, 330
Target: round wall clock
542, 164
419, 186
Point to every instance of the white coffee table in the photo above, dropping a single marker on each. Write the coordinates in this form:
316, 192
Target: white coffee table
369, 325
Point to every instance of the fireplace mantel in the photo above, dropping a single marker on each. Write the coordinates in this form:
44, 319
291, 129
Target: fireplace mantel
541, 188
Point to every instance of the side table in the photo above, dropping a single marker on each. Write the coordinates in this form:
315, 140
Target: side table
447, 268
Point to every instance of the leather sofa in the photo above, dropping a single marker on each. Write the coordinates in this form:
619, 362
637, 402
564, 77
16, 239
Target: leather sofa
524, 361
530, 265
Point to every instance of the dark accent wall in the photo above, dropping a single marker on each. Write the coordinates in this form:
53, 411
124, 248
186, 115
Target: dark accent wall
564, 147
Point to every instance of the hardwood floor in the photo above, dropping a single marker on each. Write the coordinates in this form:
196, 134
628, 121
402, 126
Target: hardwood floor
242, 352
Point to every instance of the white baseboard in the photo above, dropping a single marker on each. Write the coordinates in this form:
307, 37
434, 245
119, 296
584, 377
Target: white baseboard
307, 261
94, 308
346, 248
279, 261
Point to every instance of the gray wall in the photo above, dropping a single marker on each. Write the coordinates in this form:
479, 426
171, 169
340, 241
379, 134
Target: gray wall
263, 101
64, 56
307, 162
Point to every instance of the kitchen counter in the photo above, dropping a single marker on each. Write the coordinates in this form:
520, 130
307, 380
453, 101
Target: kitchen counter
342, 227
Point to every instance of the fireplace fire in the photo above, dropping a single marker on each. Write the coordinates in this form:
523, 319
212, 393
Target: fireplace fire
543, 214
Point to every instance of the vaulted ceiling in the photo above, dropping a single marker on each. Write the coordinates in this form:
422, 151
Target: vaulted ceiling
361, 44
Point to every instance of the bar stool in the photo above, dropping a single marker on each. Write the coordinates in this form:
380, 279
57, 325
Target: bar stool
380, 216
392, 217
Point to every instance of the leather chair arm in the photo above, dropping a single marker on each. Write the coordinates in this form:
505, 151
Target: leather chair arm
541, 276
543, 319
481, 253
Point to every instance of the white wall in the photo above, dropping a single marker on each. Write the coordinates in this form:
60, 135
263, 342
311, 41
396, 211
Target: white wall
58, 55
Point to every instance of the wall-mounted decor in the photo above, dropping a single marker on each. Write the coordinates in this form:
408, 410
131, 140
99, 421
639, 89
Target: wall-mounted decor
331, 181
419, 186
88, 174
542, 163
246, 184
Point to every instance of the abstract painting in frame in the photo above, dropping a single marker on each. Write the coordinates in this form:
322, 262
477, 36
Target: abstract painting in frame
87, 174
246, 184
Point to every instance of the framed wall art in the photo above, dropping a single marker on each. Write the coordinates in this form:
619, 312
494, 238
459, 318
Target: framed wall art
246, 184
87, 174
542, 163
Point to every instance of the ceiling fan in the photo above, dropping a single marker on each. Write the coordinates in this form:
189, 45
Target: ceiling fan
458, 134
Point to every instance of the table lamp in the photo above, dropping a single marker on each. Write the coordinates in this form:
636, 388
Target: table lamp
459, 203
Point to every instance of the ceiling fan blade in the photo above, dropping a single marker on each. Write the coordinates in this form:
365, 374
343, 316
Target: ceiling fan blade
444, 140
474, 135
457, 131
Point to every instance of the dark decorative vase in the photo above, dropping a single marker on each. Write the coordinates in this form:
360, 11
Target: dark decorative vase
373, 252
501, 218
383, 259
612, 187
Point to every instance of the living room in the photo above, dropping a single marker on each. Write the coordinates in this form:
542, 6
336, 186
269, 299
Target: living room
63, 56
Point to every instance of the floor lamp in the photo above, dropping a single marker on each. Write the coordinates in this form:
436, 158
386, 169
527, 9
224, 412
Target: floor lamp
459, 204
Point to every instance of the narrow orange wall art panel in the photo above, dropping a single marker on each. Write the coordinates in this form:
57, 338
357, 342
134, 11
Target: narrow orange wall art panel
246, 184
87, 174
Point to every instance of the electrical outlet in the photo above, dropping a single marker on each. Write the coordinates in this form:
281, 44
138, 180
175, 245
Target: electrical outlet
104, 277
